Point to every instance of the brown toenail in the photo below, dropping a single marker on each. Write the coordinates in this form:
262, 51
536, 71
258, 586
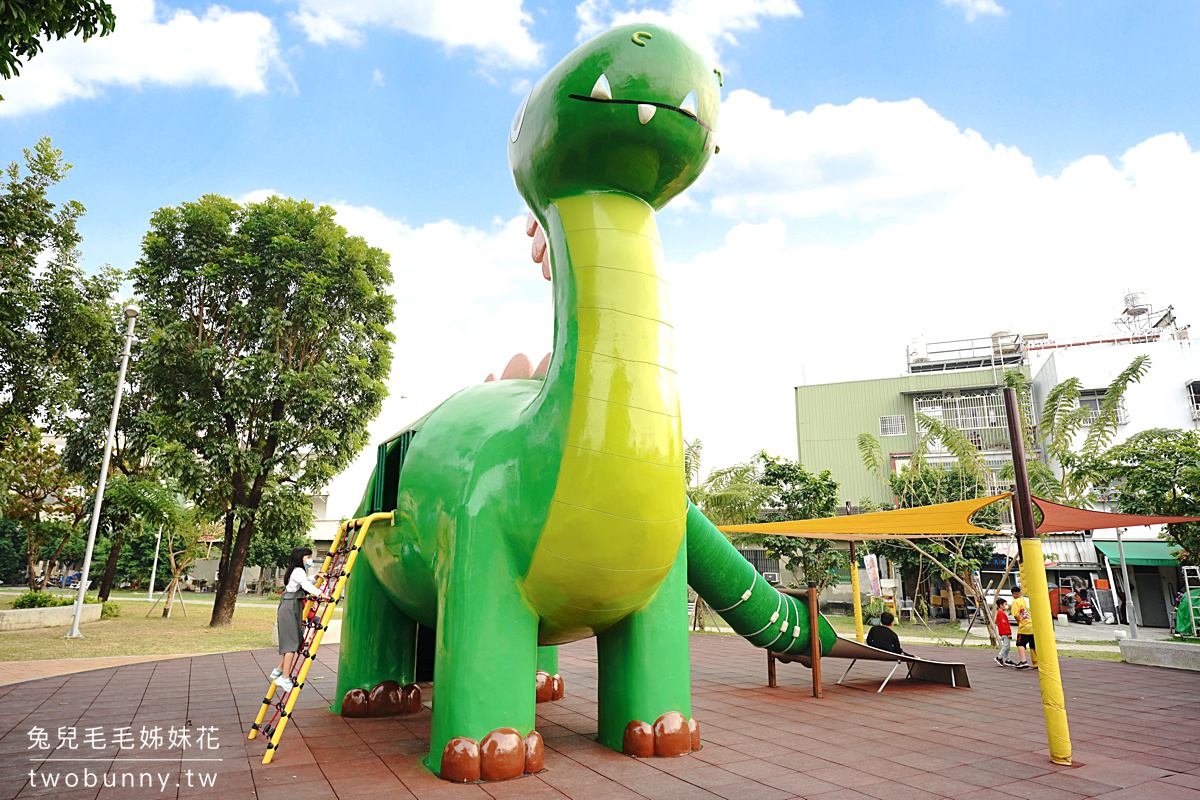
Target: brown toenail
638, 740
545, 687
501, 755
535, 753
412, 698
385, 699
671, 735
560, 688
694, 730
460, 760
355, 704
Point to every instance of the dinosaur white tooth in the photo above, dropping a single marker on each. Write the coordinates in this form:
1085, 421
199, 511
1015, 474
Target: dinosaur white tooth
602, 91
709, 141
688, 106
646, 112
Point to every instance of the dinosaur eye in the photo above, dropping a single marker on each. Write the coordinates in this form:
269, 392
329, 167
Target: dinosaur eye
688, 106
602, 91
515, 130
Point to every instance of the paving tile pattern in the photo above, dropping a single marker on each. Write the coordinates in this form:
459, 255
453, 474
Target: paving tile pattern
1136, 732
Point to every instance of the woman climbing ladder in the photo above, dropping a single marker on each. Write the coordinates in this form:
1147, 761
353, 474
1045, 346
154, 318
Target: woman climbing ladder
291, 609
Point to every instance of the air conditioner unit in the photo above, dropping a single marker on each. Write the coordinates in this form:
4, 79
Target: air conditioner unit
772, 578
1196, 414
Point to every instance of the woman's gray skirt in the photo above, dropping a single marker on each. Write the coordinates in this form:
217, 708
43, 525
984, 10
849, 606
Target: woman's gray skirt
291, 608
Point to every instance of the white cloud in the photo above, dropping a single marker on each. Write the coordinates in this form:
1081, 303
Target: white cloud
255, 196
859, 227
467, 300
153, 45
377, 77
868, 160
498, 30
708, 24
977, 8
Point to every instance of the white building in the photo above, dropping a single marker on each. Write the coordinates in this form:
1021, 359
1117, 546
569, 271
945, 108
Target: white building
1167, 396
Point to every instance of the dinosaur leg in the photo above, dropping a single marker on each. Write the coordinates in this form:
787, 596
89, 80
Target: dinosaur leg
644, 690
549, 682
377, 661
486, 658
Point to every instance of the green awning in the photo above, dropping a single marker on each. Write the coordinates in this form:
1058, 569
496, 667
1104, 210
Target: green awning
1138, 553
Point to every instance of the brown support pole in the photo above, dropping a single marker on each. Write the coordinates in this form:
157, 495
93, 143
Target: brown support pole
814, 638
1034, 583
771, 669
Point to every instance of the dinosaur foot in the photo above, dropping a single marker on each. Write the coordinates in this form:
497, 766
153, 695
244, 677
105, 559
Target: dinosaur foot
549, 687
671, 735
388, 698
502, 754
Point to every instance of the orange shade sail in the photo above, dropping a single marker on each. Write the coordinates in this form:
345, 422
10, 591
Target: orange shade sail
1063, 519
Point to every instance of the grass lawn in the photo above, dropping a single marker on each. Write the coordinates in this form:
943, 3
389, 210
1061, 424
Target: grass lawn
135, 634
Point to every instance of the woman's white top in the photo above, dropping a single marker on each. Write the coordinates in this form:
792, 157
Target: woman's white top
299, 578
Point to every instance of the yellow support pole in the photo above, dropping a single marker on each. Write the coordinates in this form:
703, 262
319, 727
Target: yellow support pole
266, 704
1053, 702
858, 626
365, 524
1037, 593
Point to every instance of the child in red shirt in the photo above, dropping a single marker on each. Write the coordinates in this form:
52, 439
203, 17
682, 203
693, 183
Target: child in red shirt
1005, 631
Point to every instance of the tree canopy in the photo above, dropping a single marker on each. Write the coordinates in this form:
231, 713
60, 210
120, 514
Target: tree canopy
24, 24
267, 355
54, 321
1157, 472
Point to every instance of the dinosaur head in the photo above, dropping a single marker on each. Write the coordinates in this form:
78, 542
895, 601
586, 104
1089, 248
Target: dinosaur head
633, 110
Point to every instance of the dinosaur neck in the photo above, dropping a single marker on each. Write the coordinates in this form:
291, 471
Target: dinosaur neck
616, 519
623, 360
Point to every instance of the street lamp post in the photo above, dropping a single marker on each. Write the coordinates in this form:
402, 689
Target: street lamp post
131, 313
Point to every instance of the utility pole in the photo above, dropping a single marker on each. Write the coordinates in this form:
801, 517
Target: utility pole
131, 313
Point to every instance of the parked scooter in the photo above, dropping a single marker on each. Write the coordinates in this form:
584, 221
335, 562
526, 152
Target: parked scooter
1078, 608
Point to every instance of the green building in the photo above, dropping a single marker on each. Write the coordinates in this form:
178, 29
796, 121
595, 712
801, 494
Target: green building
958, 383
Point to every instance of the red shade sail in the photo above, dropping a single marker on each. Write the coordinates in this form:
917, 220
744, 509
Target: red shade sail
1062, 519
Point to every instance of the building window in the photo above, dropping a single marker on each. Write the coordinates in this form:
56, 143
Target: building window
1092, 400
1194, 398
893, 425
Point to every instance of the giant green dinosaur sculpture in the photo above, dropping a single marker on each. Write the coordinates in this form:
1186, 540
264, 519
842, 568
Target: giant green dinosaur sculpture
535, 512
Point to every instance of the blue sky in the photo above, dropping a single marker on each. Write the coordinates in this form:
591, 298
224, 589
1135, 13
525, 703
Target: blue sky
1035, 145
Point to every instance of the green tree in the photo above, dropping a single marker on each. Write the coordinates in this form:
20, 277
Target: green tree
797, 493
267, 358
1064, 419
1157, 472
922, 483
37, 489
52, 318
26, 24
733, 495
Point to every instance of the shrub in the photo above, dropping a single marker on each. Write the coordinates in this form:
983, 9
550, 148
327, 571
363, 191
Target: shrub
111, 609
30, 599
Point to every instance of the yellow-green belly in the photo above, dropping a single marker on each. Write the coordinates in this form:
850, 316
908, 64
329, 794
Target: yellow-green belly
617, 519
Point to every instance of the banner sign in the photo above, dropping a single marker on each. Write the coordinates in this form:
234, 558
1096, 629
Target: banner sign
872, 565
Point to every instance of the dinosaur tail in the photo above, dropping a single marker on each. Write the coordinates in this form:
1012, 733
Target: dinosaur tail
735, 590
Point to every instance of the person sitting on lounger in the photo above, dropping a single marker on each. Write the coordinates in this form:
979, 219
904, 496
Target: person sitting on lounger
882, 637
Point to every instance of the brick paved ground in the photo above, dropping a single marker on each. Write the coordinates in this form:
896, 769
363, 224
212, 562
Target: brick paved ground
1136, 732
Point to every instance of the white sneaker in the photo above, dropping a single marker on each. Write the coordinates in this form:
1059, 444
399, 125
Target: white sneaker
283, 682
275, 673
